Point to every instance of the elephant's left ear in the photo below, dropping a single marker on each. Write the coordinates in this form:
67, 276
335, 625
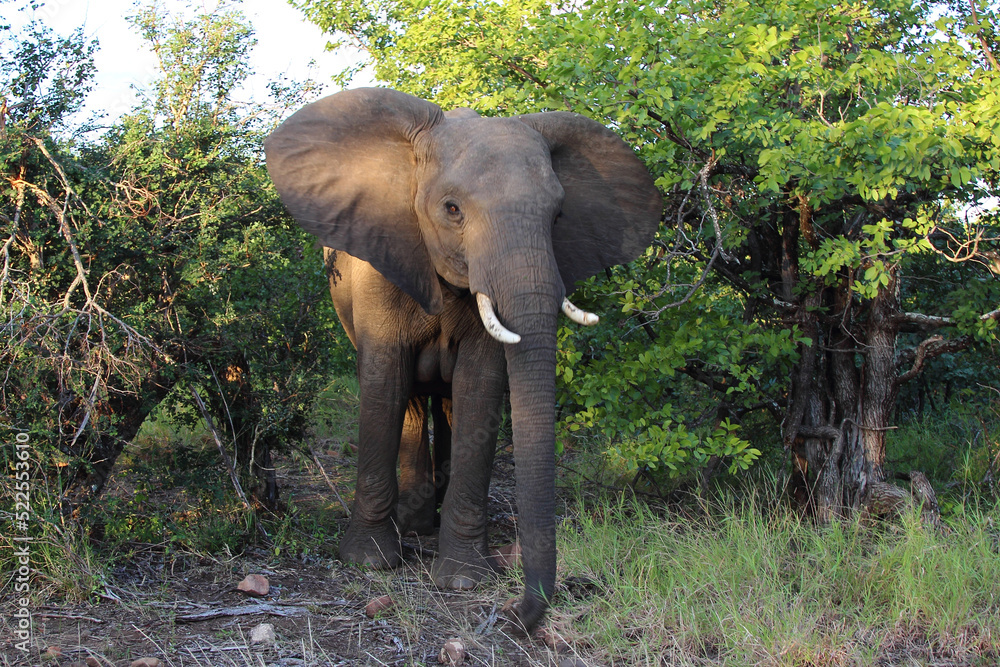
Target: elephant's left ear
611, 210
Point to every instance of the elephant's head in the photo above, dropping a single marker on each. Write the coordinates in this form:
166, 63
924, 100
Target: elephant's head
514, 209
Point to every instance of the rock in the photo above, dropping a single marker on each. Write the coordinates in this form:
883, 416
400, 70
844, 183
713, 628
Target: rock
378, 605
507, 556
572, 662
255, 585
145, 662
452, 653
262, 634
93, 662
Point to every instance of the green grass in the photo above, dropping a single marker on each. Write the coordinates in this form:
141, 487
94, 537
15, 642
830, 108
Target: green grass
956, 446
749, 584
336, 412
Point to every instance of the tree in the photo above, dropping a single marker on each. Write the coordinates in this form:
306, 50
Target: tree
162, 259
817, 160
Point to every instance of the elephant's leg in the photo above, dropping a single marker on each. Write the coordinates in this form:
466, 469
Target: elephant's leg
441, 412
417, 503
385, 379
477, 400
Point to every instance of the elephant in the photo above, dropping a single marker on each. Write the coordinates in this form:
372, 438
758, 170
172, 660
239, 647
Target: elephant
453, 240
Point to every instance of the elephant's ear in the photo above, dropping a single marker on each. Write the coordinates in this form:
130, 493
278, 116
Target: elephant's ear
345, 169
611, 210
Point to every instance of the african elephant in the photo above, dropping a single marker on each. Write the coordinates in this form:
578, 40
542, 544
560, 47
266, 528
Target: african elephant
457, 238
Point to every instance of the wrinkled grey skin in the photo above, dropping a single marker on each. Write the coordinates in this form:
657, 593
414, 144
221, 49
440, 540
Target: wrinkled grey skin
425, 210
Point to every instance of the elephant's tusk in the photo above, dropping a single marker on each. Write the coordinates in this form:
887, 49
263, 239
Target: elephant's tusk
492, 324
579, 316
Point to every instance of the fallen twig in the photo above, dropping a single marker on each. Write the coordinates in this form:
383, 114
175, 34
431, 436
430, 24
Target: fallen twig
72, 617
245, 610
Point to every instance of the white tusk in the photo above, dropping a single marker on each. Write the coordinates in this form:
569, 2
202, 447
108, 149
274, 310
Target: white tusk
492, 324
579, 316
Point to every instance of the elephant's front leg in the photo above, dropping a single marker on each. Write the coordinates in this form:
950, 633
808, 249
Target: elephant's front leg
478, 386
385, 379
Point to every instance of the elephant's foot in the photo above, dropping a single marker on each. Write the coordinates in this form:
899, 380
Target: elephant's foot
416, 511
461, 572
376, 547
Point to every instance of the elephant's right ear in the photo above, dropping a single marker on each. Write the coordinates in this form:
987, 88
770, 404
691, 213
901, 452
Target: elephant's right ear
345, 169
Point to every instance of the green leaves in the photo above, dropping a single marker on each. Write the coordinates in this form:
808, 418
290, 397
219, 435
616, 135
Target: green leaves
647, 397
154, 253
836, 141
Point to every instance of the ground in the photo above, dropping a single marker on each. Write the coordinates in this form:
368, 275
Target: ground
186, 610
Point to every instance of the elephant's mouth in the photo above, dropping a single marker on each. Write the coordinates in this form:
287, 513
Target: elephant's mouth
457, 290
457, 270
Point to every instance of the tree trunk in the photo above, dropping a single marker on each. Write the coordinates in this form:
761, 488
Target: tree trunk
101, 449
843, 396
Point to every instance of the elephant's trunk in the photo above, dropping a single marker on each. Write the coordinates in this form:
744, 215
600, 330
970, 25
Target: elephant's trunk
528, 293
531, 366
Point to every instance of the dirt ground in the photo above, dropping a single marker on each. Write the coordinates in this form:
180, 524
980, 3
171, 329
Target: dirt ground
188, 611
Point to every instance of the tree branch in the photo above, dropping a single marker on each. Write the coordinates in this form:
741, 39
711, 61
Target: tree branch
987, 51
934, 346
925, 322
920, 356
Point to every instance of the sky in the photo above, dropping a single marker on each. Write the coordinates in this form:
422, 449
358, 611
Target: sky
286, 44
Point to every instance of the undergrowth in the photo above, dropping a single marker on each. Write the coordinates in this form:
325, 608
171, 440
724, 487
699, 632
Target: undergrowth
751, 582
734, 578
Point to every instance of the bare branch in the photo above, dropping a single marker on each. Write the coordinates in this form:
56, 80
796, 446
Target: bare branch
222, 448
703, 175
717, 251
934, 346
920, 358
922, 321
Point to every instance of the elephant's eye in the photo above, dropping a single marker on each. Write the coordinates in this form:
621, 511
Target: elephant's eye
453, 209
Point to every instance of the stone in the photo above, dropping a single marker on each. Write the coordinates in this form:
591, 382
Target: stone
254, 585
506, 557
452, 653
377, 605
552, 639
262, 634
145, 662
